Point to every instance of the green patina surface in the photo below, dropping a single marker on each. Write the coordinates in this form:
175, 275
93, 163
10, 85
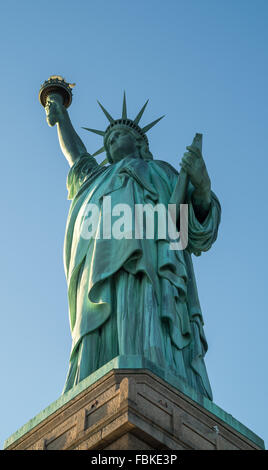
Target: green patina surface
132, 297
130, 290
136, 362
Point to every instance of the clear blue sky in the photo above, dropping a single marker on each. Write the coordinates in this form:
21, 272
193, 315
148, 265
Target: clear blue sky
202, 63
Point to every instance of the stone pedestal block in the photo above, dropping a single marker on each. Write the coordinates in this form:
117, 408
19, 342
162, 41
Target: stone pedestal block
132, 409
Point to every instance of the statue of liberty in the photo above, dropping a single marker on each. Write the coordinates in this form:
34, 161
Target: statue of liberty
131, 295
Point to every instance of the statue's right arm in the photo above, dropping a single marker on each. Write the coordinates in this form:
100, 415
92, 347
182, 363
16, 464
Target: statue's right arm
70, 142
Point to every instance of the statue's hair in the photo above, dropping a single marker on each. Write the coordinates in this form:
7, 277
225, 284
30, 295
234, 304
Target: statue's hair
142, 145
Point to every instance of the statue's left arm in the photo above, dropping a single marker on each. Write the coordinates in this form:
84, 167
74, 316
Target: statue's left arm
203, 205
194, 165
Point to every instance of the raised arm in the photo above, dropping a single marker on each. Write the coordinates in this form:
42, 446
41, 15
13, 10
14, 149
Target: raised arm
70, 142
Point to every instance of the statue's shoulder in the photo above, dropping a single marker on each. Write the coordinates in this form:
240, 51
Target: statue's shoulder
84, 169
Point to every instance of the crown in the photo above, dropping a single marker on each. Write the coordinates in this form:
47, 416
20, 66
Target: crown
124, 121
56, 84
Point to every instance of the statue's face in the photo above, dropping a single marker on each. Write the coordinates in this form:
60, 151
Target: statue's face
121, 143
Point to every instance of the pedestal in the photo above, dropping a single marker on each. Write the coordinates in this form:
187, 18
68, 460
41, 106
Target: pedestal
133, 408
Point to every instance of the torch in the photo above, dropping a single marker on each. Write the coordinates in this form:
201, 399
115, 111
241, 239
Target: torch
56, 84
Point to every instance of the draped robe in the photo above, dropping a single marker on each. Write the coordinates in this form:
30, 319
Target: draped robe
129, 295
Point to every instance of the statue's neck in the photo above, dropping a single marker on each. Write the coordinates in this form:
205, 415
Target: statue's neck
135, 154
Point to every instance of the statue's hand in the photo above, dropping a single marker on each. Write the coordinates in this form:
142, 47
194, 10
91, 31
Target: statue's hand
193, 163
54, 108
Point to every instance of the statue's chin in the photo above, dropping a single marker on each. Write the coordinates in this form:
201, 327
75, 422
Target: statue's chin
123, 153
117, 158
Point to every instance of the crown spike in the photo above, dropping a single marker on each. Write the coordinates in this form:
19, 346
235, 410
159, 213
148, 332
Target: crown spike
124, 109
139, 115
102, 149
94, 130
109, 117
104, 162
152, 124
